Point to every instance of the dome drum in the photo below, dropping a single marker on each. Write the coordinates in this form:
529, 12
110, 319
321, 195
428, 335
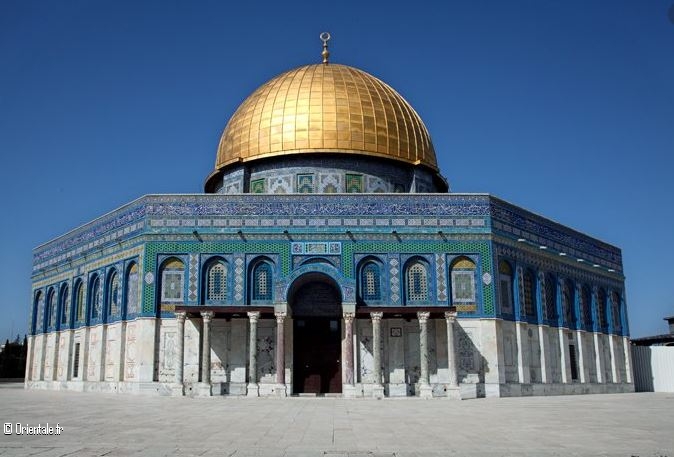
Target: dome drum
326, 173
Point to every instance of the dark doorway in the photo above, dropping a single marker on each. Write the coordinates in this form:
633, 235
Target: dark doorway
317, 334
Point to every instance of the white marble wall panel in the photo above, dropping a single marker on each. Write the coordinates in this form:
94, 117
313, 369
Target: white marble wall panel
167, 350
555, 355
145, 352
192, 345
238, 350
440, 374
412, 356
467, 341
395, 355
94, 356
219, 346
63, 355
509, 340
112, 351
365, 357
492, 351
266, 355
533, 349
606, 358
131, 352
48, 357
590, 364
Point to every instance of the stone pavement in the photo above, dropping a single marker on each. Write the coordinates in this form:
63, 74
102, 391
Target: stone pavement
124, 425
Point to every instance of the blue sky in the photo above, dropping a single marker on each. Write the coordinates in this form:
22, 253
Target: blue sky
562, 107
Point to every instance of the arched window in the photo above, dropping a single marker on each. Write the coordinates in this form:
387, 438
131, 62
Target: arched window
216, 281
79, 301
51, 308
586, 306
112, 298
65, 305
505, 282
370, 282
262, 282
568, 303
416, 282
38, 315
95, 297
463, 281
550, 297
615, 311
529, 289
601, 308
132, 289
173, 281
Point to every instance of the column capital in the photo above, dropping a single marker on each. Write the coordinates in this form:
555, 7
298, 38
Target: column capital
253, 316
450, 316
280, 316
207, 316
348, 317
423, 316
180, 316
376, 317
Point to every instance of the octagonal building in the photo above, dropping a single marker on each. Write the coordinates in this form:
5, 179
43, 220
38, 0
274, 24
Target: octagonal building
327, 256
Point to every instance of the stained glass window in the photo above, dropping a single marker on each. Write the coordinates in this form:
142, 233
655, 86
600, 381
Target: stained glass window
529, 285
615, 313
132, 290
463, 281
601, 308
65, 305
586, 306
568, 300
79, 302
95, 294
550, 296
113, 295
505, 286
51, 306
173, 276
39, 311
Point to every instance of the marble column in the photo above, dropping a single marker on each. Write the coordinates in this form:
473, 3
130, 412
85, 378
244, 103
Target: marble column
581, 357
564, 360
253, 388
425, 390
348, 348
378, 388
543, 349
280, 353
628, 365
453, 391
597, 358
207, 317
180, 352
614, 368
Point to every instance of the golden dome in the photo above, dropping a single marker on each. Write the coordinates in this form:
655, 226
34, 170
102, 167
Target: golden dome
325, 108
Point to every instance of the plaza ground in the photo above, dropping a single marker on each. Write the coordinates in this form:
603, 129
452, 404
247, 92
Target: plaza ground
122, 425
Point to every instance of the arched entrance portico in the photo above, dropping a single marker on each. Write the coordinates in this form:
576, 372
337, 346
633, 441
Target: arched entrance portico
316, 305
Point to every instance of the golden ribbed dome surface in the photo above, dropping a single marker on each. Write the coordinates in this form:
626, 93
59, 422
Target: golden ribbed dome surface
326, 108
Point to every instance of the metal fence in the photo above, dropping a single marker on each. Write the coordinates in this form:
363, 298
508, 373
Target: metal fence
653, 368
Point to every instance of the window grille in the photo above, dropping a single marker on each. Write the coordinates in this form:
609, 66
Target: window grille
371, 282
417, 283
262, 282
217, 282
